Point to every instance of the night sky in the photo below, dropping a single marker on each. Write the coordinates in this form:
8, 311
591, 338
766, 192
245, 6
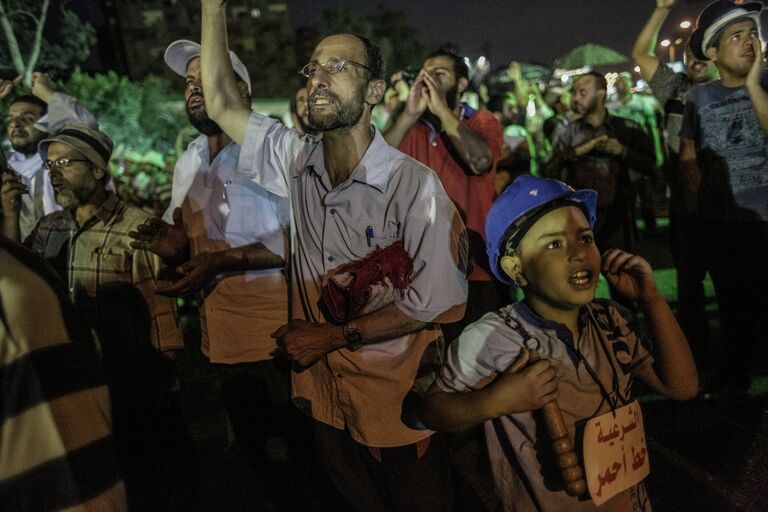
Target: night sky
525, 30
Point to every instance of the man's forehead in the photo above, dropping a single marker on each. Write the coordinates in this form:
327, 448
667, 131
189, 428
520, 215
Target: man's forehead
23, 107
193, 66
345, 46
736, 26
439, 62
584, 81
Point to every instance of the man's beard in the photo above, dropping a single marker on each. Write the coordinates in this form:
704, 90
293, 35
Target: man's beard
70, 197
347, 115
200, 120
586, 109
26, 148
451, 98
28, 144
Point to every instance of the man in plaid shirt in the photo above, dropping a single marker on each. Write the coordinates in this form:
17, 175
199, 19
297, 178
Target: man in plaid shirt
114, 287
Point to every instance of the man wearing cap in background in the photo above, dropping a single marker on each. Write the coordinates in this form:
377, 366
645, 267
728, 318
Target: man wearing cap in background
27, 194
114, 286
226, 234
724, 165
671, 89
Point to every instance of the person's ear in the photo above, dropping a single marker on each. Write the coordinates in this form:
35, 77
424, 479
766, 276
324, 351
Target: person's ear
242, 88
462, 85
513, 267
602, 93
375, 92
97, 172
712, 53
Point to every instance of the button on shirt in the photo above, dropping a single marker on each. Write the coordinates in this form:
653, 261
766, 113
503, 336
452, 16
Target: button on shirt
222, 209
387, 197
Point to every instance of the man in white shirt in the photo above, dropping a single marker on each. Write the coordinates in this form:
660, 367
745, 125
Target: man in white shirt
225, 234
27, 194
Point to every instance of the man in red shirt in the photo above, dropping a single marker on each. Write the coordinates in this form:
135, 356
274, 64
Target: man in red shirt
462, 145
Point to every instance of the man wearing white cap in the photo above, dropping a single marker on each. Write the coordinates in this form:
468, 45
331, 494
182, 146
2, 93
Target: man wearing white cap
226, 236
724, 165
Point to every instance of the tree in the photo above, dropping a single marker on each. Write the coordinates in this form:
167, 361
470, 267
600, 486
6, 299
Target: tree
139, 115
28, 38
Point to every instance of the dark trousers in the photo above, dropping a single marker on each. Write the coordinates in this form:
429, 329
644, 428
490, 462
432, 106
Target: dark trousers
689, 254
274, 436
736, 258
400, 481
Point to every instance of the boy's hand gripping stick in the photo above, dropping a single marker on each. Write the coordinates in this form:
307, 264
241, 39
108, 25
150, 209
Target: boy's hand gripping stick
561, 443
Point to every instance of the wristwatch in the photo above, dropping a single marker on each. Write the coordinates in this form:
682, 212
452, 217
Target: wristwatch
352, 336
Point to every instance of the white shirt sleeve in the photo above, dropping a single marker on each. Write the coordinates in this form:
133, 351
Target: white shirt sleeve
271, 152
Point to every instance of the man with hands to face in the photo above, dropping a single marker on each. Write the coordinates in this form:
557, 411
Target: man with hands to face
462, 145
723, 162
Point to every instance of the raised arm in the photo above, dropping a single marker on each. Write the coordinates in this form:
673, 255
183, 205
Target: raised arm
63, 109
674, 373
644, 51
222, 98
757, 94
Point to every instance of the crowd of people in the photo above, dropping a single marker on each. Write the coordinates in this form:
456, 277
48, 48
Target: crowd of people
397, 294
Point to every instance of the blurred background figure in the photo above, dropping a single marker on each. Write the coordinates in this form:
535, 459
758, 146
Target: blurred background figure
58, 449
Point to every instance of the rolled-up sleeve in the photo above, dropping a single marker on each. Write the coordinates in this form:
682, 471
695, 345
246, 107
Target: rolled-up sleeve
270, 152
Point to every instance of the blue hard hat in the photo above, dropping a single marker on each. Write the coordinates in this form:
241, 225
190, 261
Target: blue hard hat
521, 204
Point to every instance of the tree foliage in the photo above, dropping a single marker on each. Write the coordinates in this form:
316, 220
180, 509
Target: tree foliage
35, 38
139, 115
399, 42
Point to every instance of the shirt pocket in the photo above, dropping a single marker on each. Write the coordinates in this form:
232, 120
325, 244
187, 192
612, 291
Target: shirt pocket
367, 238
112, 265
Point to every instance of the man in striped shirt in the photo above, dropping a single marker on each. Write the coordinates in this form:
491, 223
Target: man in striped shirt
56, 421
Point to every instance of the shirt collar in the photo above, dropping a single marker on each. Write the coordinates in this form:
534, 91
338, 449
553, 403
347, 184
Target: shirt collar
107, 208
374, 169
562, 332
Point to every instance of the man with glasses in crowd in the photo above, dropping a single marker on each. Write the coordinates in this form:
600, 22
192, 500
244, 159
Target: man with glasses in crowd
350, 193
115, 288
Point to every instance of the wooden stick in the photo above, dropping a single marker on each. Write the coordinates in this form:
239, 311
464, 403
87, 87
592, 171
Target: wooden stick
562, 445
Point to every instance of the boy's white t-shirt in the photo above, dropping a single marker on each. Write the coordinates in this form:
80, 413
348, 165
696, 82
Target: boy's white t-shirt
609, 345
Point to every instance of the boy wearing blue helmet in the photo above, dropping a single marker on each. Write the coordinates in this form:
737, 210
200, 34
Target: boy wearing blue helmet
558, 344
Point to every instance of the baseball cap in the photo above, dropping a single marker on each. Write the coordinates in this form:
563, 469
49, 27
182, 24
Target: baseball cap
716, 16
179, 53
95, 145
518, 208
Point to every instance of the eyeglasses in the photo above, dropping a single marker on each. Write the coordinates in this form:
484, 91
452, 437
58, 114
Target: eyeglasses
61, 162
331, 67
